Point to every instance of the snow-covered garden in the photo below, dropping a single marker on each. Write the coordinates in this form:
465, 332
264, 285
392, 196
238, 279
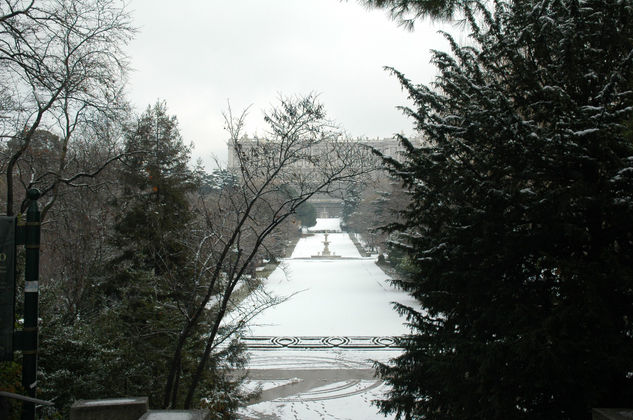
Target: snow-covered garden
345, 296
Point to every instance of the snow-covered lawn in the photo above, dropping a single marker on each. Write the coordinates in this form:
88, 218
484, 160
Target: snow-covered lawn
345, 296
330, 225
330, 297
344, 400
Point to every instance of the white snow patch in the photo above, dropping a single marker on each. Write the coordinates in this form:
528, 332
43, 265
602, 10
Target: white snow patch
346, 297
351, 407
586, 132
252, 385
350, 296
116, 401
334, 358
170, 415
329, 225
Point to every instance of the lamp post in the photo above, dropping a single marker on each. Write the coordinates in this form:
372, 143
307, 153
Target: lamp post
25, 340
31, 296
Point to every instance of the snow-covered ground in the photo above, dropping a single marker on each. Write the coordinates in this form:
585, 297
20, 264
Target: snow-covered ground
348, 296
330, 225
339, 400
330, 297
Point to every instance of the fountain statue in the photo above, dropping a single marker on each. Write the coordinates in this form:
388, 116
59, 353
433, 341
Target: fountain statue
326, 250
326, 253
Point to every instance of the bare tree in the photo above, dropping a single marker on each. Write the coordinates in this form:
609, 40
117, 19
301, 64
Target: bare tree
62, 69
303, 154
74, 238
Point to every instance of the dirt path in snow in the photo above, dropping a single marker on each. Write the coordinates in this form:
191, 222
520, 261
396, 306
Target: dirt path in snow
305, 381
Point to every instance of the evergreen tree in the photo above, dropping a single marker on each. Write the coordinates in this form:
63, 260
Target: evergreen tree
351, 200
156, 180
520, 228
217, 180
307, 215
148, 276
406, 12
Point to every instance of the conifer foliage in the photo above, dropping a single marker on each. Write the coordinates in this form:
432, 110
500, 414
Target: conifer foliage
156, 179
520, 228
148, 273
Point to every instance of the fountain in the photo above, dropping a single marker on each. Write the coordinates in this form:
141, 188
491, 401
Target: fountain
326, 253
326, 250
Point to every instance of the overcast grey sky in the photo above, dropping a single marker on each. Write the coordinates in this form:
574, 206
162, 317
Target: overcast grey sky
197, 54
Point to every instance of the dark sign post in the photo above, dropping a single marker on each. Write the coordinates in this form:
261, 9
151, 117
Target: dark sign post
25, 340
31, 293
7, 286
